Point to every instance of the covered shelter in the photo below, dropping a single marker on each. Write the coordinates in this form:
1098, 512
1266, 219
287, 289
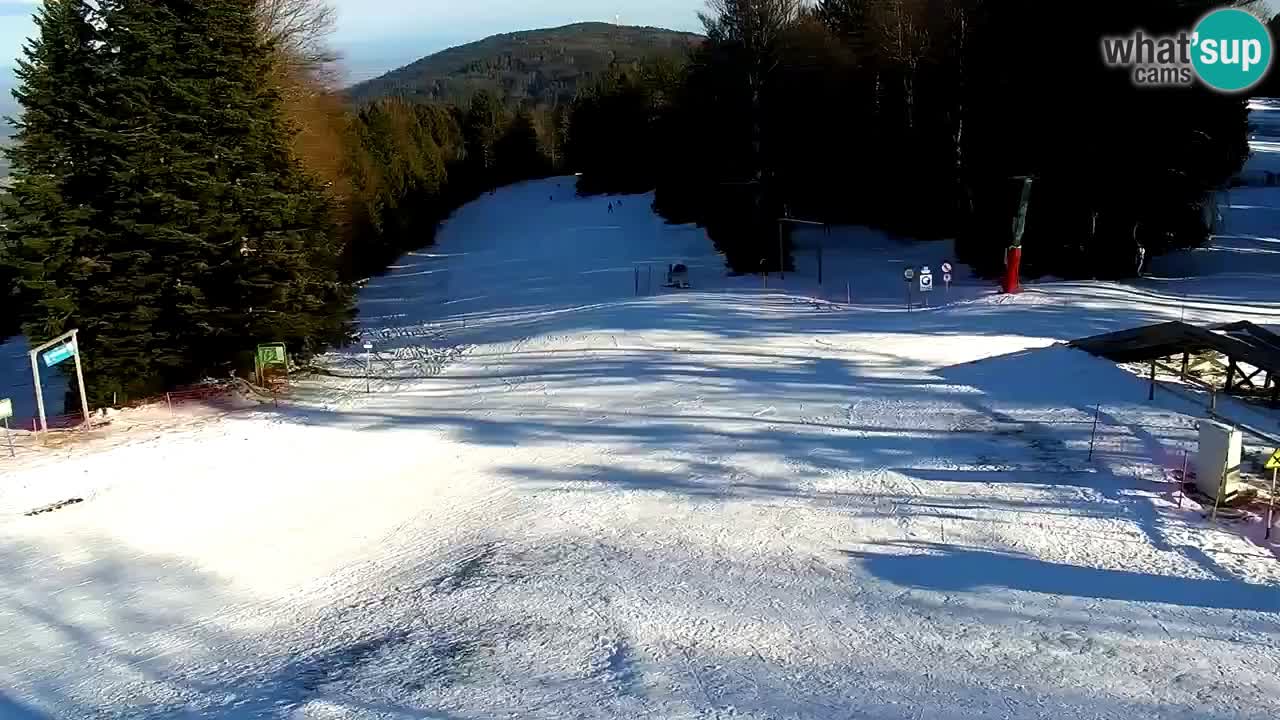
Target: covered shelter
1252, 353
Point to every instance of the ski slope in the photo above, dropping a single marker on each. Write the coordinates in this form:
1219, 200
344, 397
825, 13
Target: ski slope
564, 500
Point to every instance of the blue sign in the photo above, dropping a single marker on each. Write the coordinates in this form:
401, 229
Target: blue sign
59, 354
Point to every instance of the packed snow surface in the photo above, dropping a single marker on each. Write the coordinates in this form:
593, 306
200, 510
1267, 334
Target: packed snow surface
556, 498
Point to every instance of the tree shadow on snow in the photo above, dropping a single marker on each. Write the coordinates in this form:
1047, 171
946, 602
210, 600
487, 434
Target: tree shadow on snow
951, 568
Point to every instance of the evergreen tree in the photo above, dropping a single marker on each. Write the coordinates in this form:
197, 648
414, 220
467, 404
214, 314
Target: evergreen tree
518, 153
52, 235
482, 128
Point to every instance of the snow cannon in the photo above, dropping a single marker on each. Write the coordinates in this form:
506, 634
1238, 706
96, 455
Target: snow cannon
678, 276
1011, 283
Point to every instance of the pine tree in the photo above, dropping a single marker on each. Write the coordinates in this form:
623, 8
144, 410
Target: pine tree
518, 154
52, 236
482, 129
238, 238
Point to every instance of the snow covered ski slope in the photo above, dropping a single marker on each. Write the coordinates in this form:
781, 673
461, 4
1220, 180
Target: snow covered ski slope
564, 500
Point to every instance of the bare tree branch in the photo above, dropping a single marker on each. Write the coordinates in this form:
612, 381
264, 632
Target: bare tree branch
299, 31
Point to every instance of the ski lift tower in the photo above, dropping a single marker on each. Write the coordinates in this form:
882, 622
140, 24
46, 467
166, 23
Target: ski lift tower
782, 260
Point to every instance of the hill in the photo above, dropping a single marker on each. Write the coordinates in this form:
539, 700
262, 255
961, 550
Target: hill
530, 67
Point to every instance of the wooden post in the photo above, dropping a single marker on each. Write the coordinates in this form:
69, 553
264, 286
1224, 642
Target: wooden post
1186, 362
1152, 394
84, 398
169, 399
1222, 488
1231, 374
35, 376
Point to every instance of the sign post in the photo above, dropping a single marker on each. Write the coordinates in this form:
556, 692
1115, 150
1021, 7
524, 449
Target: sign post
909, 274
926, 283
946, 277
1273, 464
65, 346
368, 367
6, 412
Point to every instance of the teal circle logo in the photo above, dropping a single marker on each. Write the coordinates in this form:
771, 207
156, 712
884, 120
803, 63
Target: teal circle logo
1231, 50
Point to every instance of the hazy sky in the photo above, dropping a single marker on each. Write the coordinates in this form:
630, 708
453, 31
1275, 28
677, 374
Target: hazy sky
379, 35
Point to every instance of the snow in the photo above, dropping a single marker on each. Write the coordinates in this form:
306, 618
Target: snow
563, 500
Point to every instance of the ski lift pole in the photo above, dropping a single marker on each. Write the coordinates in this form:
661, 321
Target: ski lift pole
782, 261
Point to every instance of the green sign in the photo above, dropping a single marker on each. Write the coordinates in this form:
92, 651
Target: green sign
59, 354
274, 354
6, 409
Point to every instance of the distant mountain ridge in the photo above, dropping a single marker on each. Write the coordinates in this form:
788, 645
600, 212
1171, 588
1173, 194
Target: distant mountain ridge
532, 67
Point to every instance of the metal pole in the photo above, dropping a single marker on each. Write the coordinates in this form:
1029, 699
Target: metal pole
1271, 506
84, 398
848, 294
35, 374
1094, 435
1182, 482
9, 439
782, 263
637, 282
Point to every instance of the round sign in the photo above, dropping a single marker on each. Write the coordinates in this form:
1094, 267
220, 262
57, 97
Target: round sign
926, 282
946, 277
946, 267
908, 274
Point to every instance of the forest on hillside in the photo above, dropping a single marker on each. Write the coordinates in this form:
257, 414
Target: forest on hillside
528, 69
919, 117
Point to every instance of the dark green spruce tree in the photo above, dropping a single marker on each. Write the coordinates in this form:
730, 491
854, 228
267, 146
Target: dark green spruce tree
518, 153
51, 232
